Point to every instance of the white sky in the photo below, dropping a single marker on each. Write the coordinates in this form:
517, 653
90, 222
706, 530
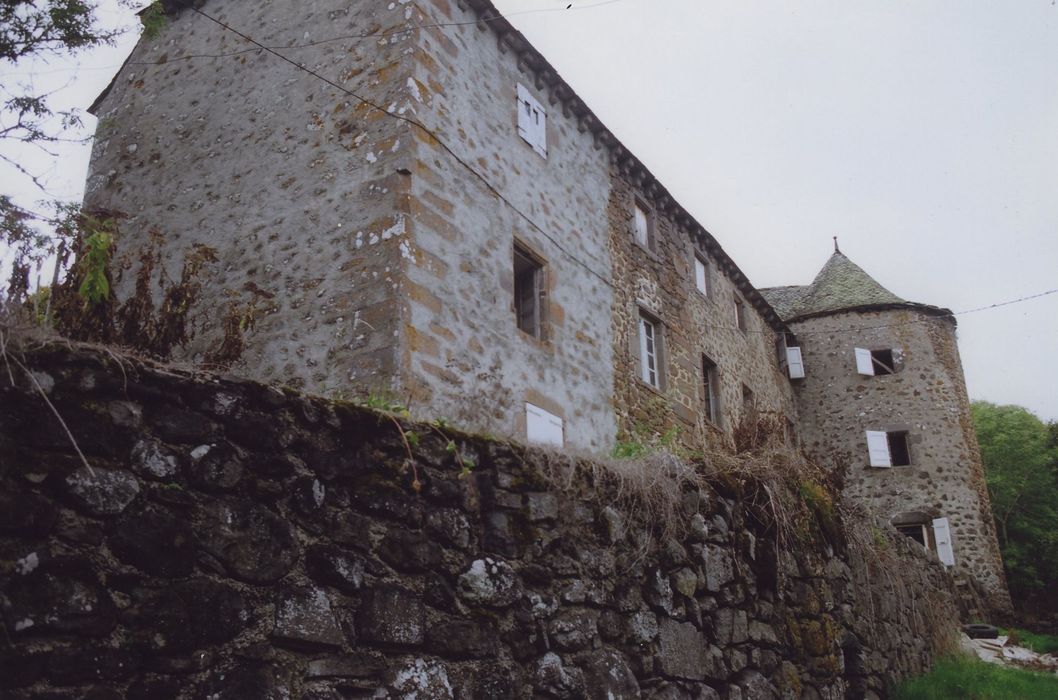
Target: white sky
923, 134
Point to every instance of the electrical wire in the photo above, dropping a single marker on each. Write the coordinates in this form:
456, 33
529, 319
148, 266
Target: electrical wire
527, 218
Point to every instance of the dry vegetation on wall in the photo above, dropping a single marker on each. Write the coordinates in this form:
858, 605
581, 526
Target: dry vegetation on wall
682, 574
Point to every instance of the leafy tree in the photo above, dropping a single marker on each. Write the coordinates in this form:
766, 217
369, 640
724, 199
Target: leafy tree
34, 28
1020, 454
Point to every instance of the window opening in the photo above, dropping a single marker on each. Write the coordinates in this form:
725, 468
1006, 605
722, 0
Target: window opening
528, 292
749, 402
898, 450
875, 362
888, 449
649, 351
740, 314
710, 391
644, 225
701, 275
917, 532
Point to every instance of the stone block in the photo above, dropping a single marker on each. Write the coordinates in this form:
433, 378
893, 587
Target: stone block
683, 651
253, 543
304, 617
102, 491
490, 582
391, 615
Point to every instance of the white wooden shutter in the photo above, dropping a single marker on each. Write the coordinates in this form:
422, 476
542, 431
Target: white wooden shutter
864, 365
532, 121
878, 448
542, 427
794, 363
942, 534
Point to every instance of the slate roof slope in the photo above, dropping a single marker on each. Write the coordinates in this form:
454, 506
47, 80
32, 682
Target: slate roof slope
840, 285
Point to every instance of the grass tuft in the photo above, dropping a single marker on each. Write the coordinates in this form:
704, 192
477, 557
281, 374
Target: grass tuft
966, 678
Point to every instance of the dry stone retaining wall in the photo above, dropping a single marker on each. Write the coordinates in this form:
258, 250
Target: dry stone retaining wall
231, 540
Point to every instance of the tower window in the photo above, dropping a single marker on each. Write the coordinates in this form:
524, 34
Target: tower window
875, 362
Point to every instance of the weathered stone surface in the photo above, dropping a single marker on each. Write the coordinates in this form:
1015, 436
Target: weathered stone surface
685, 582
61, 595
572, 630
422, 679
718, 567
253, 543
643, 626
243, 682
189, 615
102, 491
309, 495
608, 677
182, 426
361, 665
338, 567
490, 582
410, 551
542, 506
683, 651
152, 460
391, 615
78, 666
450, 526
26, 515
304, 616
154, 540
215, 466
463, 639
553, 678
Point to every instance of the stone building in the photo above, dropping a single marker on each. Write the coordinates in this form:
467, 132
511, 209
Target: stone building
408, 201
884, 401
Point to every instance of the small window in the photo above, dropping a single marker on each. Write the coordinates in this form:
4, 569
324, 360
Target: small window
917, 532
888, 449
650, 350
532, 121
710, 391
529, 294
644, 225
701, 275
740, 313
875, 362
749, 402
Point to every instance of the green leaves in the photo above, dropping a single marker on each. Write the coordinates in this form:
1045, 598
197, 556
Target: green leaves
1020, 455
95, 287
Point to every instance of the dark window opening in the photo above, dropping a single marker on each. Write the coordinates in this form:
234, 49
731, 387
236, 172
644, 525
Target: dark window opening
917, 532
749, 403
898, 449
740, 314
528, 293
883, 362
710, 391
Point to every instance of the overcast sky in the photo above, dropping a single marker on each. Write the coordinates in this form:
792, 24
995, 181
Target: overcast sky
923, 134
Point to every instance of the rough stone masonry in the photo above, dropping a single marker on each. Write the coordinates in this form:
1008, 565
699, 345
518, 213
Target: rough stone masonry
227, 539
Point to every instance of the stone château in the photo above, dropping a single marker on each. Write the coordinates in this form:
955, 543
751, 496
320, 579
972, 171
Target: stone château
407, 200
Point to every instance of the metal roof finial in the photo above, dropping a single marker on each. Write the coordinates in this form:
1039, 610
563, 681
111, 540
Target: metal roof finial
836, 249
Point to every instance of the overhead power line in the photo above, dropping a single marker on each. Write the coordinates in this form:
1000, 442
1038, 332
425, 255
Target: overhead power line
258, 46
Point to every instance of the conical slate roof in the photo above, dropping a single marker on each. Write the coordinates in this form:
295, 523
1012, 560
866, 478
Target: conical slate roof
841, 284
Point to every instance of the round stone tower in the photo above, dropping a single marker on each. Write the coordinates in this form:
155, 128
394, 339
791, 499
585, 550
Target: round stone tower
883, 402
